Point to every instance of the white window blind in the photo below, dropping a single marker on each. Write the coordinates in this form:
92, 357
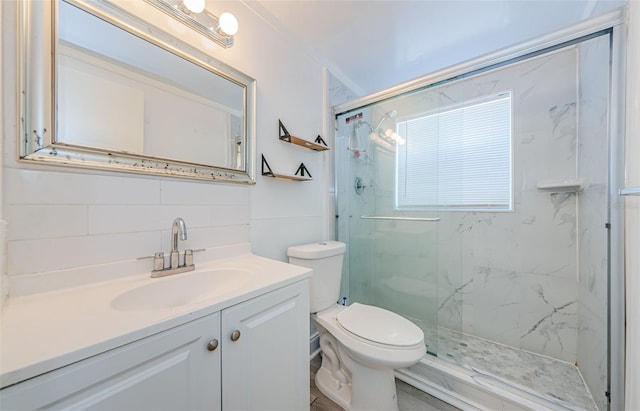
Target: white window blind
457, 158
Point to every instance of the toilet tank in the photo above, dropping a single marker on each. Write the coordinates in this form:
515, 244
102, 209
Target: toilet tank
325, 258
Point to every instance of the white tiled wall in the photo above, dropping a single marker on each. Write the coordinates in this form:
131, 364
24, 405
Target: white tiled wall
63, 218
95, 219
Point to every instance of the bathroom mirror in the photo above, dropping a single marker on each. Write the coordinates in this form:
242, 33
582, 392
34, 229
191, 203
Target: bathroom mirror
102, 88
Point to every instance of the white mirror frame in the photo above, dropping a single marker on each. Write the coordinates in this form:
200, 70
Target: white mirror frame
37, 31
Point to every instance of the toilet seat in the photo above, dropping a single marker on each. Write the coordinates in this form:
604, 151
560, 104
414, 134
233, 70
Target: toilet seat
380, 326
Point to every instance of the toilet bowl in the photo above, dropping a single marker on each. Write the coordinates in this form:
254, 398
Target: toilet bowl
361, 344
359, 373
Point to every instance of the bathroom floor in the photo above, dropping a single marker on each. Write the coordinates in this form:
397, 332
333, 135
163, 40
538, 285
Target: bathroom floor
409, 398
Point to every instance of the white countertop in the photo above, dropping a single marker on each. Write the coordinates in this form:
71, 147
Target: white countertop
46, 331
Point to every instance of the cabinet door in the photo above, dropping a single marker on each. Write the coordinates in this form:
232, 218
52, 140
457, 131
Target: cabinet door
172, 370
267, 367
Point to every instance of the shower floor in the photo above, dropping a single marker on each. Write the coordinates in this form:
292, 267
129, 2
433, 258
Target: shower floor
554, 380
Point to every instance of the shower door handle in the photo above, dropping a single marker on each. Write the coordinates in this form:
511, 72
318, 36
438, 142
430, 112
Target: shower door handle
427, 219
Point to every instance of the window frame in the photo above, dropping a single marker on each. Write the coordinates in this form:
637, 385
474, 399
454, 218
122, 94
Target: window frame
510, 207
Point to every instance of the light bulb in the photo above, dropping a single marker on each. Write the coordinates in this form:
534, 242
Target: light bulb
228, 23
194, 6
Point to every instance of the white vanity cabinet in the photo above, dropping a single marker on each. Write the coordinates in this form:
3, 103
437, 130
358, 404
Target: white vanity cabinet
172, 370
265, 367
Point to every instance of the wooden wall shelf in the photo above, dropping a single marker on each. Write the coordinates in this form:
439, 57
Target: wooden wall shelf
318, 145
302, 170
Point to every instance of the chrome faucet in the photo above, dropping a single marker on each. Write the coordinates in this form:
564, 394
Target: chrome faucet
178, 227
178, 230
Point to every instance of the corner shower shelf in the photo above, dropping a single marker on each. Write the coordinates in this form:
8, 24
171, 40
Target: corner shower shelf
318, 145
572, 185
302, 170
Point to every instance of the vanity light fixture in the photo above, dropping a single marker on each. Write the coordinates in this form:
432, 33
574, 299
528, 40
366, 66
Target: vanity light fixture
193, 14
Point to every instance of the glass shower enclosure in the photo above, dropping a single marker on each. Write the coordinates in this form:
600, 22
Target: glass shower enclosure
477, 206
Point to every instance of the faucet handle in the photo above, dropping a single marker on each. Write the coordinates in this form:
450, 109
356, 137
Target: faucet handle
158, 261
188, 257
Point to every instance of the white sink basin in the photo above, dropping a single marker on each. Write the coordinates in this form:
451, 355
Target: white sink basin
181, 289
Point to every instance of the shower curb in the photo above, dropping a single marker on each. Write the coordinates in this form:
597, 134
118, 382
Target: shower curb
471, 391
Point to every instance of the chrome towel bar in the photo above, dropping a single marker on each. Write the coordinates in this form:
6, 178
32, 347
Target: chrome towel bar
633, 191
428, 219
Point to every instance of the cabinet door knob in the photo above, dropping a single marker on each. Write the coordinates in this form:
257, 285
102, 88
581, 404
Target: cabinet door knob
235, 336
213, 344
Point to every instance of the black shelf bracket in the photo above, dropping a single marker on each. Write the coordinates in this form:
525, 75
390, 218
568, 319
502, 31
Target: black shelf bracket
265, 164
284, 134
302, 169
320, 140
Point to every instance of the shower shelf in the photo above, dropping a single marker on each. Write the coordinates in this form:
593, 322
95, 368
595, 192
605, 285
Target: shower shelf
302, 170
560, 186
318, 145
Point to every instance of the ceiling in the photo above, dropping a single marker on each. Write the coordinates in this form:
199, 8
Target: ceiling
374, 44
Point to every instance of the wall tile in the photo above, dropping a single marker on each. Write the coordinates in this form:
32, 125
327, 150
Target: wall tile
230, 215
208, 237
45, 221
36, 187
128, 219
202, 193
70, 252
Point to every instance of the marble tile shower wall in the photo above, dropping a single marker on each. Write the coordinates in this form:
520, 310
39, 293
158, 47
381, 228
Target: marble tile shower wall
519, 269
67, 221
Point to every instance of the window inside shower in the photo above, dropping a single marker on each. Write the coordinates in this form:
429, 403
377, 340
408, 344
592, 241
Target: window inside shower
456, 158
476, 207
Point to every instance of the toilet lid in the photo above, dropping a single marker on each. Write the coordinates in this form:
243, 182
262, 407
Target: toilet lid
379, 325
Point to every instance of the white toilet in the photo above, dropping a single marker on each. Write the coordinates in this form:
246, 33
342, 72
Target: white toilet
361, 344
